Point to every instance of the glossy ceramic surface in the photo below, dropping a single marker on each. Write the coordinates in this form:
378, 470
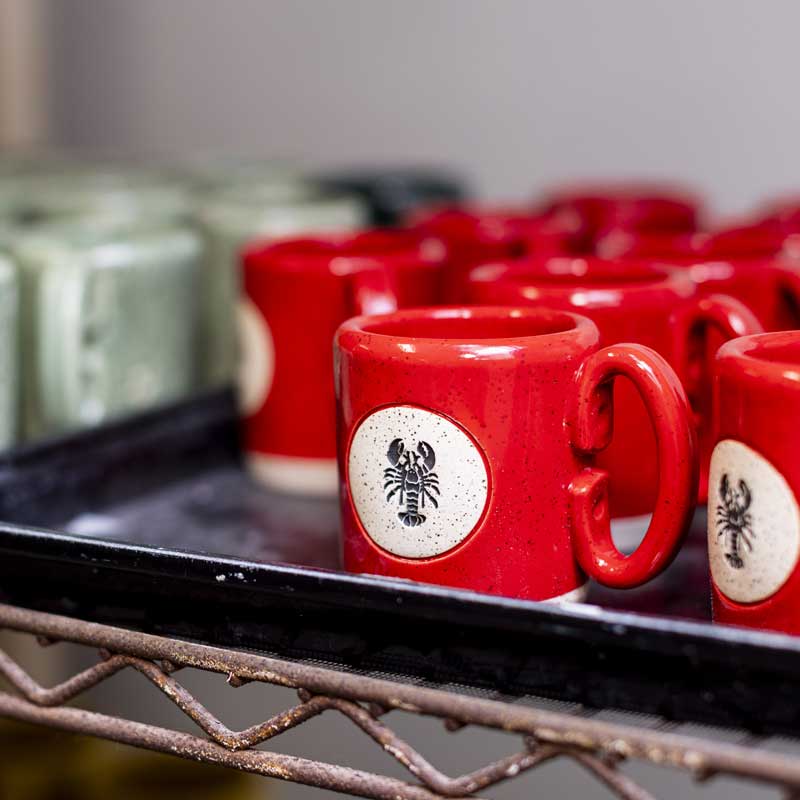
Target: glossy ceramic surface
228, 221
757, 264
770, 287
297, 293
737, 242
753, 520
632, 206
629, 302
474, 235
467, 441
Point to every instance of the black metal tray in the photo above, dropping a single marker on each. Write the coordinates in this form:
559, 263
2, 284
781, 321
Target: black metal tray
174, 539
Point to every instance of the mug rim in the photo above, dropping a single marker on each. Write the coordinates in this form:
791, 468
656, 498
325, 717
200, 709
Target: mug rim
638, 191
774, 355
568, 326
317, 252
492, 224
638, 276
746, 242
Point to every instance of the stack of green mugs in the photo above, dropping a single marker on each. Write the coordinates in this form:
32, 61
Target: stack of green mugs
108, 321
119, 285
109, 193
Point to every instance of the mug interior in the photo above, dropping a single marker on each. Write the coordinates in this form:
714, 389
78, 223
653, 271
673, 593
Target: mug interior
473, 324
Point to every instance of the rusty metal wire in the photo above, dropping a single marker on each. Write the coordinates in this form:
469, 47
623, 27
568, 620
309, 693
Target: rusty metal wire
598, 747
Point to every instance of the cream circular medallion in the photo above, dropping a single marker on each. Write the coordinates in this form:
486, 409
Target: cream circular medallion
753, 524
418, 481
256, 358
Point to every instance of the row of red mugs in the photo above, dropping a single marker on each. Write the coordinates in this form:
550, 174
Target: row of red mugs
468, 444
680, 303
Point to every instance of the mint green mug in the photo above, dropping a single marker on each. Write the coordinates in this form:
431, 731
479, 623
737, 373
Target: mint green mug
113, 193
108, 321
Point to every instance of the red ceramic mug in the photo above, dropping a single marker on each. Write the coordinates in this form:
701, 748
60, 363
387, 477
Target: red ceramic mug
753, 514
769, 287
750, 263
621, 243
629, 302
756, 264
632, 206
473, 235
467, 444
742, 242
296, 293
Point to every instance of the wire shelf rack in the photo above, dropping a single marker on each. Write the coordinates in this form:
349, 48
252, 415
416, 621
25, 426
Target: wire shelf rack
601, 748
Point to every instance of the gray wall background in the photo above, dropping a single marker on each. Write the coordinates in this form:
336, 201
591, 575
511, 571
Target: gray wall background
516, 93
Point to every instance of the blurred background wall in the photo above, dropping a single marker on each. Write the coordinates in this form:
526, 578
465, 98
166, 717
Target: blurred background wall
24, 71
516, 93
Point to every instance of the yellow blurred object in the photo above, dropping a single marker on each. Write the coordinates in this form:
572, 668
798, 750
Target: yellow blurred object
43, 764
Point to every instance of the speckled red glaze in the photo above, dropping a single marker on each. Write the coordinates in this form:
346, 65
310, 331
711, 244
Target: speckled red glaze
757, 402
630, 302
305, 288
474, 235
532, 389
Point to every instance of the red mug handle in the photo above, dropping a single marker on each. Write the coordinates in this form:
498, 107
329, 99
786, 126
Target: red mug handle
730, 317
372, 290
590, 418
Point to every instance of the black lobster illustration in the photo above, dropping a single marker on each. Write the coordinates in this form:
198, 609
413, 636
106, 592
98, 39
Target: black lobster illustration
411, 477
734, 521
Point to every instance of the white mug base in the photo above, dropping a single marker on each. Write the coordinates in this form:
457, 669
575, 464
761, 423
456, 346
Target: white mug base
309, 476
575, 596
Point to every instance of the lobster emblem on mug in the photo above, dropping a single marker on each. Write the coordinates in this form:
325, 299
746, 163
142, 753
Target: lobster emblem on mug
411, 479
734, 521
